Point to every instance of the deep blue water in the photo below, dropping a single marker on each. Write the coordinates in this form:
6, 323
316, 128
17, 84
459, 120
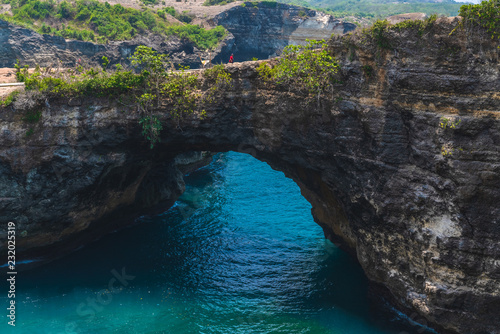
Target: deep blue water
238, 253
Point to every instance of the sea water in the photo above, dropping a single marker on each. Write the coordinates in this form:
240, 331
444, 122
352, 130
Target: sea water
239, 252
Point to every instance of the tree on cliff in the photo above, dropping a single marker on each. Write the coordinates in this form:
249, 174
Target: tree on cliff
309, 68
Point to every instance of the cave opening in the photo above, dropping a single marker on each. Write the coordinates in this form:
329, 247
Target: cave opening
239, 252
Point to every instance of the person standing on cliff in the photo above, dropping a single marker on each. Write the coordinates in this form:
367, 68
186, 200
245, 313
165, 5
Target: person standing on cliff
231, 59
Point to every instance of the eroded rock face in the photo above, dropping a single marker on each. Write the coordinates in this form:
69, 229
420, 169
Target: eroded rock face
254, 31
32, 48
262, 30
416, 202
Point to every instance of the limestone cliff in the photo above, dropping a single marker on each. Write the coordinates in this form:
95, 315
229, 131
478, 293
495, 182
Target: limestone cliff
262, 30
32, 48
254, 31
402, 166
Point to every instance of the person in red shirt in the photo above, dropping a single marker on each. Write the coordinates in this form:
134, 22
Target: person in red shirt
231, 59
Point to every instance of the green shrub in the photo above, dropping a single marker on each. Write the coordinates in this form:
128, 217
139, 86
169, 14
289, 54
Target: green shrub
266, 72
216, 2
217, 80
151, 128
378, 32
203, 39
217, 75
485, 15
179, 89
270, 4
32, 116
7, 101
445, 123
420, 26
91, 20
186, 17
89, 83
183, 17
150, 2
308, 68
368, 70
30, 132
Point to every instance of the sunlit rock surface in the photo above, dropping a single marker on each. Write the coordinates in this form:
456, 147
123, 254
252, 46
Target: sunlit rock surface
262, 30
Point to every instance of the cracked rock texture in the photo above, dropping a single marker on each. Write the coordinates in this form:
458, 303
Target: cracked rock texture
417, 203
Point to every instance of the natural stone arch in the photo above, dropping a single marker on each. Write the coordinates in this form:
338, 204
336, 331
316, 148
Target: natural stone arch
423, 224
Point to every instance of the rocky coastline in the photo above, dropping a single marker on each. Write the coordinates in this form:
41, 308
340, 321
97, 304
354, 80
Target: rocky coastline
414, 200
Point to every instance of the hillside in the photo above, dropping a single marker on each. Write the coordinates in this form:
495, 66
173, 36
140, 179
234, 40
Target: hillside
375, 9
248, 30
101, 22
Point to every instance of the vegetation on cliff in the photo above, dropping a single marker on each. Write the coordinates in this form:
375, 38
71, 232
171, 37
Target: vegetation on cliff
379, 31
485, 15
184, 16
217, 2
151, 87
80, 82
91, 20
265, 3
7, 100
148, 89
309, 68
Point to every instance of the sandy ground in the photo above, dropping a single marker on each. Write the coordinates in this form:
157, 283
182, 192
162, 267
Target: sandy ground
7, 76
195, 7
4, 8
403, 17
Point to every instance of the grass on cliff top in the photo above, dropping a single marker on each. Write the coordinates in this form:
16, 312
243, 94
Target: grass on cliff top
481, 17
91, 20
151, 89
307, 68
217, 2
485, 15
378, 32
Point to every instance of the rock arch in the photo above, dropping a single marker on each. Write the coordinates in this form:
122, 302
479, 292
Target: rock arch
375, 166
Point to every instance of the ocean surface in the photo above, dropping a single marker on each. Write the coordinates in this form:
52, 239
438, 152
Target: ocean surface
238, 253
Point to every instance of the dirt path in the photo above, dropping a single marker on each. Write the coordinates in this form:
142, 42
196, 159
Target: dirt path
7, 75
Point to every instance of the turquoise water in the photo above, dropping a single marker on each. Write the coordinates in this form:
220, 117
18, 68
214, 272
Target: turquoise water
238, 253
